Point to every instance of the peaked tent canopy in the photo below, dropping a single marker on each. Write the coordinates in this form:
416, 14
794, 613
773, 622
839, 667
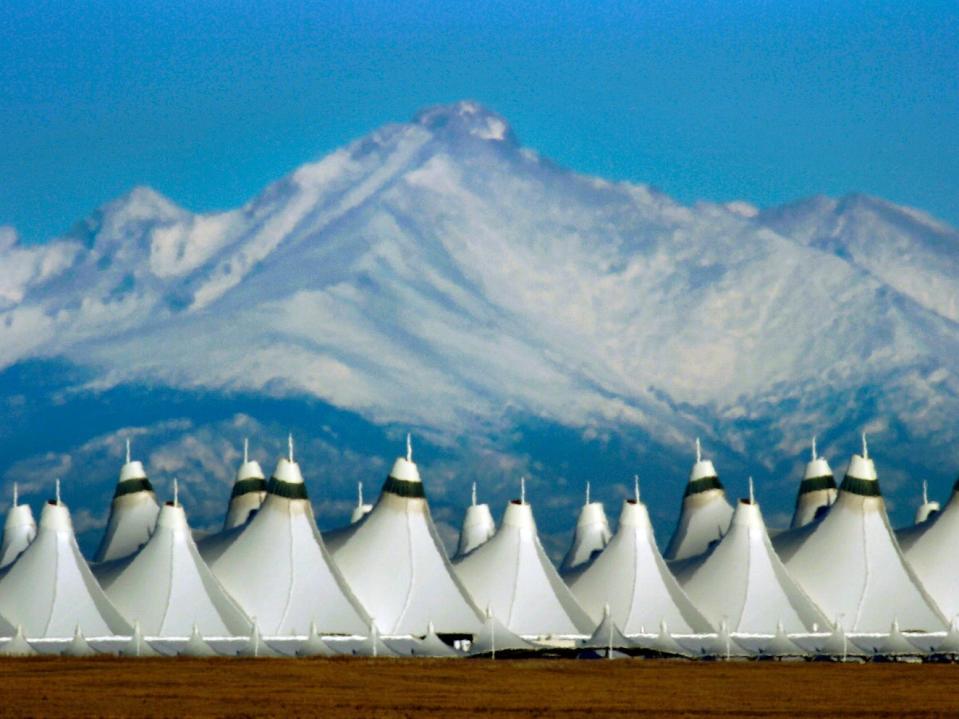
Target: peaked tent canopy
512, 575
743, 581
168, 588
705, 513
51, 591
716, 646
850, 564
430, 645
362, 508
478, 527
19, 530
835, 646
313, 645
197, 646
932, 555
662, 645
607, 635
137, 646
591, 535
817, 490
495, 638
929, 508
893, 646
18, 646
278, 569
249, 491
255, 647
779, 646
946, 647
79, 646
396, 563
133, 513
632, 578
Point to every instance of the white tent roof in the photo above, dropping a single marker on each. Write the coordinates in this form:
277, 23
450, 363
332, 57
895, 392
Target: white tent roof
395, 562
18, 646
933, 557
133, 513
705, 513
478, 527
778, 646
495, 637
835, 645
196, 646
929, 508
743, 581
716, 646
19, 529
429, 645
817, 490
278, 569
168, 588
947, 645
138, 646
362, 508
632, 578
512, 575
894, 645
850, 564
607, 635
249, 491
78, 646
51, 591
255, 647
313, 645
662, 644
591, 535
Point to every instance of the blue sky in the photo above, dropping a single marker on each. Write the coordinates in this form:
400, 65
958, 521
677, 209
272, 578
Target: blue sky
762, 101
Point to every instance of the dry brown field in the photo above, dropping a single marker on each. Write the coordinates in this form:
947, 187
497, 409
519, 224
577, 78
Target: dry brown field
444, 688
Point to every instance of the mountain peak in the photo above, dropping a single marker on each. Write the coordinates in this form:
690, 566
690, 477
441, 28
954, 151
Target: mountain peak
466, 118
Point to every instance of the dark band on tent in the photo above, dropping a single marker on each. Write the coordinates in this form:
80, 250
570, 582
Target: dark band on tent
290, 490
814, 484
703, 484
245, 486
955, 487
403, 488
130, 486
863, 487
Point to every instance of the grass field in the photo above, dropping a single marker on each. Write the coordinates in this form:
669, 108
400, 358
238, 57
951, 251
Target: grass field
470, 688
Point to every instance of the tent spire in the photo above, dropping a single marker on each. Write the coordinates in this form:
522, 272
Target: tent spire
814, 455
128, 450
474, 494
636, 487
752, 494
289, 445
925, 492
58, 491
699, 451
865, 447
522, 490
587, 491
409, 447
246, 450
359, 494
16, 494
176, 492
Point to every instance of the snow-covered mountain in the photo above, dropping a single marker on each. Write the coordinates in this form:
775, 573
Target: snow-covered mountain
438, 275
